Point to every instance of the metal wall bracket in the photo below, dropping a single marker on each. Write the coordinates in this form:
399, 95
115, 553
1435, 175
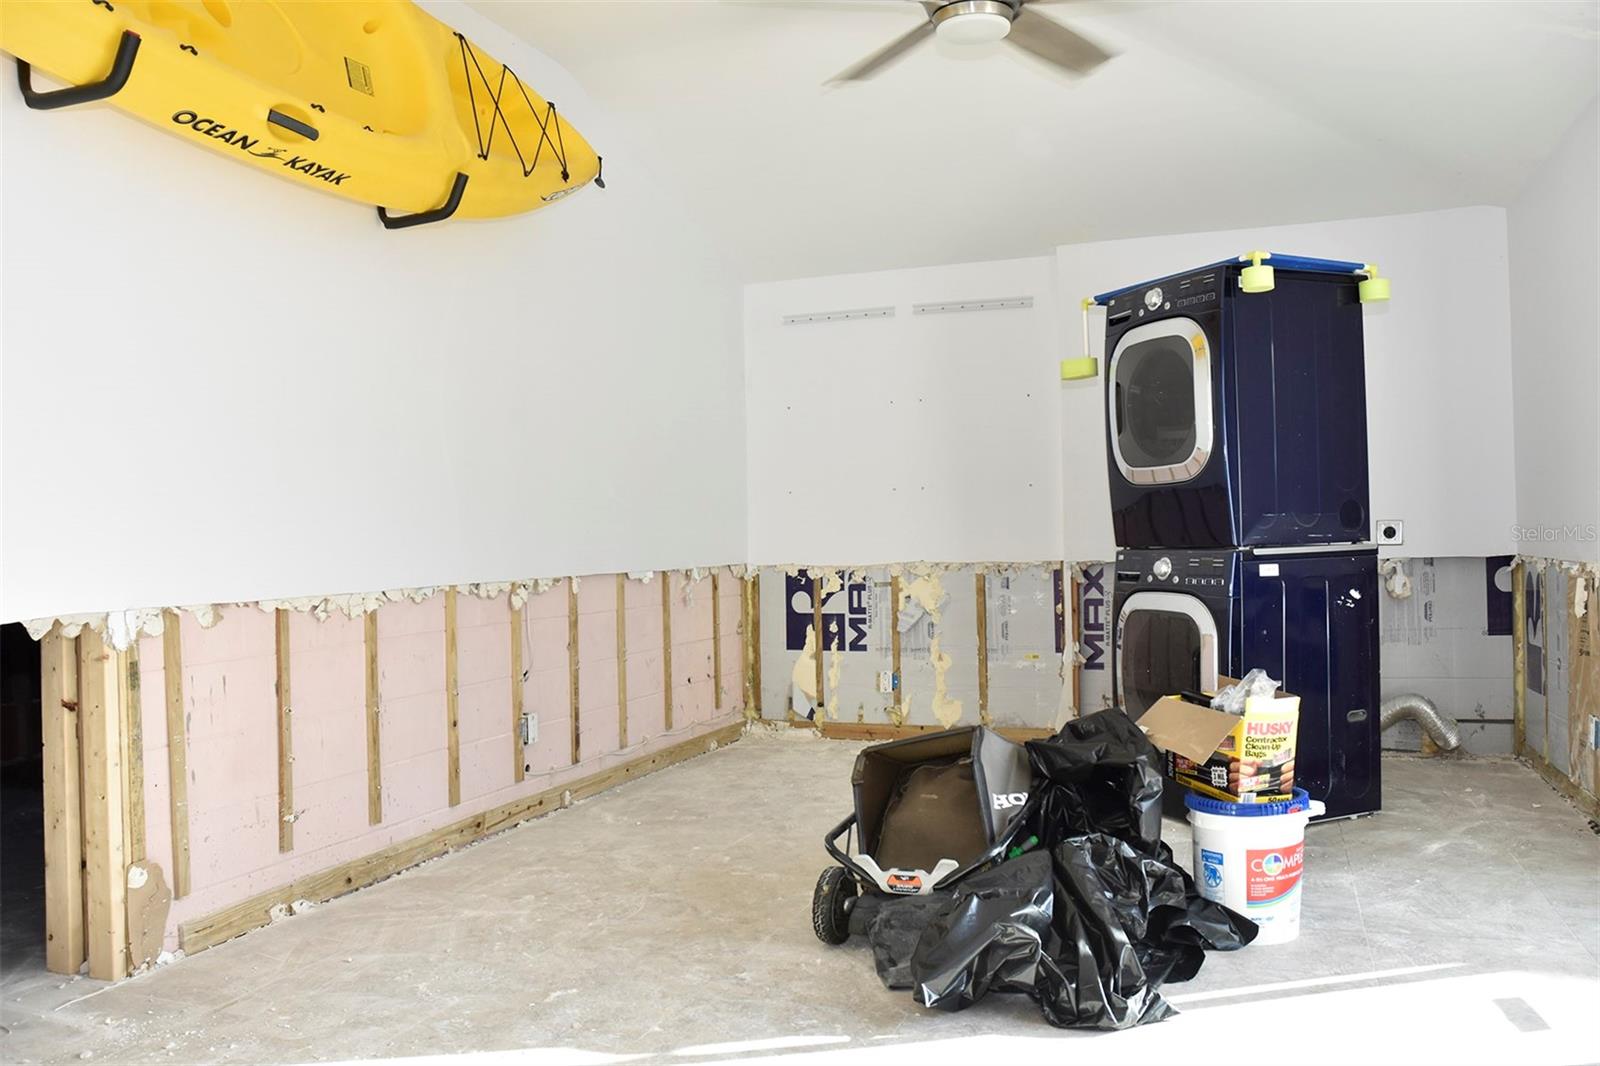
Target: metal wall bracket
952, 306
837, 316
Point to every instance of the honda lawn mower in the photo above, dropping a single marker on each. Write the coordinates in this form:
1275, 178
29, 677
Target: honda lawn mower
930, 810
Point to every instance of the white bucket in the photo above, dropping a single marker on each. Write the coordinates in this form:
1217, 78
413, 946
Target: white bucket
1250, 857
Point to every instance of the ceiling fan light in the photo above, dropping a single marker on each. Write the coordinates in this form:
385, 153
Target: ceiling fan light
973, 28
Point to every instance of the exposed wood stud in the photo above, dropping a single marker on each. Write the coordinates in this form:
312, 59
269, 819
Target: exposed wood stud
1071, 635
63, 804
452, 696
572, 666
374, 721
133, 731
519, 758
981, 590
1519, 657
819, 643
622, 660
745, 670
716, 642
666, 644
285, 735
104, 809
754, 639
894, 641
1544, 627
177, 749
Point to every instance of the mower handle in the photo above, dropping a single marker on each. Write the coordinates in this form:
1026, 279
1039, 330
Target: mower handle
997, 851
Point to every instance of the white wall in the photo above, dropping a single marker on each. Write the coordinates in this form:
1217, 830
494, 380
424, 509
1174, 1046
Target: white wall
220, 386
840, 447
1553, 230
1438, 370
913, 437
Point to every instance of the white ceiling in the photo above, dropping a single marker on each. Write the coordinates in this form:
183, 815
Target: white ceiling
1213, 115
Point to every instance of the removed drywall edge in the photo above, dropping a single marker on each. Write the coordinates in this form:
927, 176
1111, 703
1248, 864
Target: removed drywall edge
256, 911
121, 628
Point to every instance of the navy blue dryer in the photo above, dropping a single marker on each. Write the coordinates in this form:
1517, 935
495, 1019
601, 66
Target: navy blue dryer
1238, 418
1307, 617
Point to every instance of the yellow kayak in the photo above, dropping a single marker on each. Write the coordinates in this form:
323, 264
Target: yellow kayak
373, 100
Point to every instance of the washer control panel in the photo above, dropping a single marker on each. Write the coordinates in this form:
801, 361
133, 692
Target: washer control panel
1184, 571
1187, 294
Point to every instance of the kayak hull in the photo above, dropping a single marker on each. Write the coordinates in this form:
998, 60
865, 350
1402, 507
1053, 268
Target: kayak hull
377, 102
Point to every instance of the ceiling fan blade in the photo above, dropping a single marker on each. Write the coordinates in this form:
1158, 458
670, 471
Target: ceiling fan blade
1055, 44
816, 5
886, 55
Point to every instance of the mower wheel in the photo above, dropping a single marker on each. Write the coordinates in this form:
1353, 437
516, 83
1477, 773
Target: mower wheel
830, 905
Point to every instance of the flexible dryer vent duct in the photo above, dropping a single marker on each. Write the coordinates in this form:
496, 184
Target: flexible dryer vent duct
1420, 709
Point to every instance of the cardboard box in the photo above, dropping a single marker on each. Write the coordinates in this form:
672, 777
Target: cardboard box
1246, 758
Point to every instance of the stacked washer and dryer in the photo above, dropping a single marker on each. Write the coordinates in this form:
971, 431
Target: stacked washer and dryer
1237, 440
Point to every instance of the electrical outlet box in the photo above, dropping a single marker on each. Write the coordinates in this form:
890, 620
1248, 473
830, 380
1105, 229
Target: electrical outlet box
1389, 531
886, 682
530, 729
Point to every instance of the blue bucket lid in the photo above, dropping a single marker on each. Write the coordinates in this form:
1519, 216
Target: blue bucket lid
1205, 805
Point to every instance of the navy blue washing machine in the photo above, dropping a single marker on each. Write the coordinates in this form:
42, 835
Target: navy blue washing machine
1309, 618
1238, 418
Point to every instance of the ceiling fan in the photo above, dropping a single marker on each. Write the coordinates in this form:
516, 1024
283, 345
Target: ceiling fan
973, 22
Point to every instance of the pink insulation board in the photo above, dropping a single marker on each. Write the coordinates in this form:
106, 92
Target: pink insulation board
230, 706
483, 680
693, 690
328, 701
546, 694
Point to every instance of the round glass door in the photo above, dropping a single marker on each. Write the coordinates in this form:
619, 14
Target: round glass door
1159, 395
1166, 644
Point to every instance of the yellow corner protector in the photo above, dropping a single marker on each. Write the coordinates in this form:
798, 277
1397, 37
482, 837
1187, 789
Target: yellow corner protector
1080, 369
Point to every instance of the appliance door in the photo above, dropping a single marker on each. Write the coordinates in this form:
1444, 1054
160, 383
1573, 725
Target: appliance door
1166, 643
1158, 391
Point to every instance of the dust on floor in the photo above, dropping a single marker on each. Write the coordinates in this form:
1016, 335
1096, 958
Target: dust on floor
672, 915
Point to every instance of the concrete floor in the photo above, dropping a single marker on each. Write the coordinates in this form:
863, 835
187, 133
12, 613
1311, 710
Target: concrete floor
670, 916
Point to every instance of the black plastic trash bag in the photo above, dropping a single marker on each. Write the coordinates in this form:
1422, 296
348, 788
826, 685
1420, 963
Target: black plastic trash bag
994, 936
1132, 922
1091, 924
1099, 774
893, 925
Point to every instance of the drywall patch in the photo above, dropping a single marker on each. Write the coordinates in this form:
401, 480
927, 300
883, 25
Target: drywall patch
804, 675
835, 666
945, 709
149, 901
1395, 581
925, 595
